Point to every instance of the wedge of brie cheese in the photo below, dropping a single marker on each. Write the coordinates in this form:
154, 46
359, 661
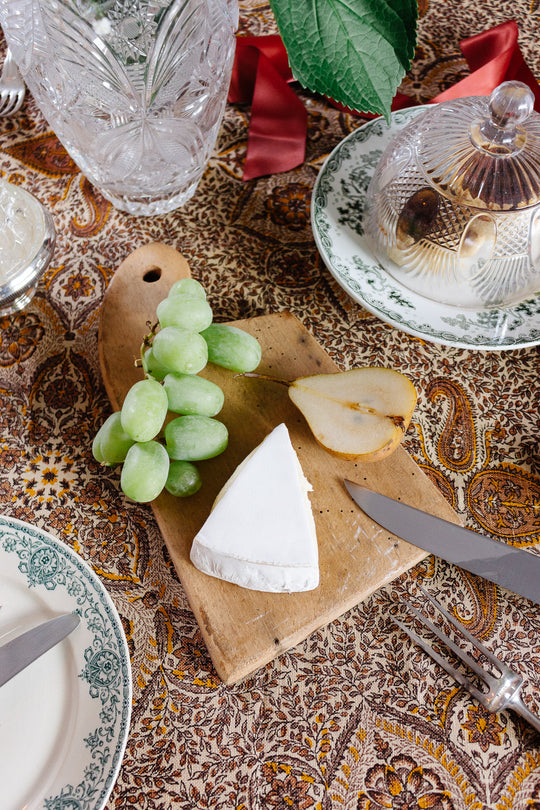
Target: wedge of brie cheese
260, 533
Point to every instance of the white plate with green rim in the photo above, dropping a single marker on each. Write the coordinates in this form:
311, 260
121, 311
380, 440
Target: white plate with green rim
336, 219
64, 720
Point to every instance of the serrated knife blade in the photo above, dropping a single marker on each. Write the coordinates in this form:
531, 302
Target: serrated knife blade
512, 568
18, 653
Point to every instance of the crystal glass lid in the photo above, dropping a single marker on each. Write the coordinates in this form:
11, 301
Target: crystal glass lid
485, 152
453, 209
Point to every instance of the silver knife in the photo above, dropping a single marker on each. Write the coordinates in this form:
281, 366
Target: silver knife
512, 568
22, 650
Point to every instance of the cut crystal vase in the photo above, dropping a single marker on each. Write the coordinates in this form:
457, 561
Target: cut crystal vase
134, 89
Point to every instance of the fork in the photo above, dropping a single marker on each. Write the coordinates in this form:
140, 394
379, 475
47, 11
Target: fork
503, 691
12, 89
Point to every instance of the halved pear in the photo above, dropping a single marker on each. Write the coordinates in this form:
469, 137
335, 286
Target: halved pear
359, 414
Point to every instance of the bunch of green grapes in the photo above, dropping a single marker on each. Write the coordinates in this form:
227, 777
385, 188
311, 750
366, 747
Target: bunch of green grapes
183, 341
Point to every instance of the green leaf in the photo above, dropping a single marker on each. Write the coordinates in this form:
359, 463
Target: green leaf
354, 51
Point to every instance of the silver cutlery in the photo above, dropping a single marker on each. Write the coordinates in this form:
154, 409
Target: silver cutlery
511, 567
21, 651
12, 88
502, 691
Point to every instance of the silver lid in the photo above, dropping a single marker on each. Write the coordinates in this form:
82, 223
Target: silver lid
27, 239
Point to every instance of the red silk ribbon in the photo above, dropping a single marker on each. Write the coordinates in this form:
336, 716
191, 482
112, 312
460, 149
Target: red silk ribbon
493, 57
277, 133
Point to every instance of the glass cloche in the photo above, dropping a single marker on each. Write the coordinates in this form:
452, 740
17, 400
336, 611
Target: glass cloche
453, 209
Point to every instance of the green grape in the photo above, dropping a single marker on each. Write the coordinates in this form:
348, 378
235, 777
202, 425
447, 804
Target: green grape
145, 470
183, 479
96, 449
185, 311
151, 366
187, 286
144, 410
190, 394
193, 438
231, 347
111, 442
179, 350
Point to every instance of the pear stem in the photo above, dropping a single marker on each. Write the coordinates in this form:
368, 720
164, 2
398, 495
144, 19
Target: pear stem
254, 374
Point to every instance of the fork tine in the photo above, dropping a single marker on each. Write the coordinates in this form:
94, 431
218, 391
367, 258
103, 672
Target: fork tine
496, 662
17, 104
6, 108
12, 87
461, 653
6, 98
503, 692
14, 104
455, 673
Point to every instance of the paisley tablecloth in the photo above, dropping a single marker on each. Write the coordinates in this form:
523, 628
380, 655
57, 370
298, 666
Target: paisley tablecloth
356, 716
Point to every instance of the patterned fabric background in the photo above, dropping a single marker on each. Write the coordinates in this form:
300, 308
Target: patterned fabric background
356, 716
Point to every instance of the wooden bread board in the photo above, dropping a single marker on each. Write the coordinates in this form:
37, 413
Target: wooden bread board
244, 629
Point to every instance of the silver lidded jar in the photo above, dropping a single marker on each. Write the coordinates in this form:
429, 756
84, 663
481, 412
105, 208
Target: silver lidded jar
453, 209
27, 240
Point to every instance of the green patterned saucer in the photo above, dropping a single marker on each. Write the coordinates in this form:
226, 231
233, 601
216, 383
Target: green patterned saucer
336, 218
65, 718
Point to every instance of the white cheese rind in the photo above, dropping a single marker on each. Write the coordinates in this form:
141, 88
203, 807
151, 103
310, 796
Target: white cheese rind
252, 575
261, 533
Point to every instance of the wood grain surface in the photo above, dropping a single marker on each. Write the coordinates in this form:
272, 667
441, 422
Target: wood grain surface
245, 629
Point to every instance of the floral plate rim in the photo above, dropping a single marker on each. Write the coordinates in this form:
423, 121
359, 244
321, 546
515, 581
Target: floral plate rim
350, 166
62, 580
